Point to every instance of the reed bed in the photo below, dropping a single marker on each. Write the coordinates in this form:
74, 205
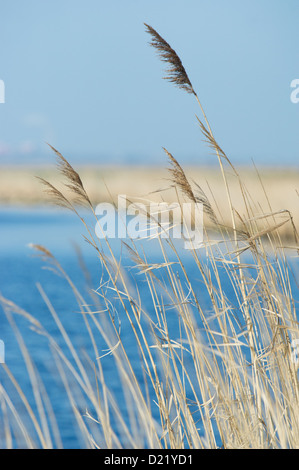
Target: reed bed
217, 361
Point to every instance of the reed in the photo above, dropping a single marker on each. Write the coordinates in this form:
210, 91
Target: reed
216, 365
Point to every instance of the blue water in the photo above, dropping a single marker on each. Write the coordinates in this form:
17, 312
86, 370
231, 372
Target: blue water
20, 271
61, 232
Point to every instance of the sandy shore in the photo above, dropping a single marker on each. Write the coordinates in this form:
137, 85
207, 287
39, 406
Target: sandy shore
19, 186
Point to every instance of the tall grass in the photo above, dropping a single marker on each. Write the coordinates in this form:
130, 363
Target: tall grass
213, 362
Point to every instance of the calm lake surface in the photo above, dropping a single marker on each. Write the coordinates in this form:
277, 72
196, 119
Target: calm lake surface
20, 271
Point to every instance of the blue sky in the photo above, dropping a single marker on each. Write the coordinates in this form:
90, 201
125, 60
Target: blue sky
81, 76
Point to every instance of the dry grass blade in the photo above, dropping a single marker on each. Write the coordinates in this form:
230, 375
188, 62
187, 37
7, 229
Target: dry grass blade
176, 73
266, 231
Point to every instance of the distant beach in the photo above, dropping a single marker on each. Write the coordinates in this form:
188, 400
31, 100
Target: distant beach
19, 186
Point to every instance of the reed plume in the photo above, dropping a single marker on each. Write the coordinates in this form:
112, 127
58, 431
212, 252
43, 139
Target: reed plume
74, 181
179, 178
57, 197
176, 72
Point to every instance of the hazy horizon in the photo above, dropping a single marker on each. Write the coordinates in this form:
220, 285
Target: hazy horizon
82, 76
